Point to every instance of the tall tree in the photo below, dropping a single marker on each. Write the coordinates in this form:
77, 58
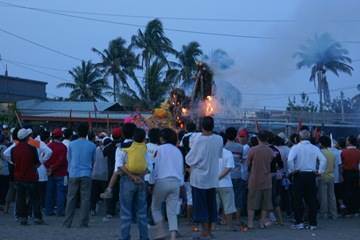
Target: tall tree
88, 83
118, 61
153, 44
322, 54
187, 58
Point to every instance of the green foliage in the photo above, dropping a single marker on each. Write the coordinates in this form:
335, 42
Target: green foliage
305, 104
88, 83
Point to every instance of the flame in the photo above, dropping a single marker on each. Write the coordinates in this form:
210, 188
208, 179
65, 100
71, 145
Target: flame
209, 106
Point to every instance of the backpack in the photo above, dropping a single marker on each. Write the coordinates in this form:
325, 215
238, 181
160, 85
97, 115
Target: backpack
136, 162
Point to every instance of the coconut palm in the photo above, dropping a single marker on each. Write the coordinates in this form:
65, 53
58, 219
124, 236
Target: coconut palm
187, 58
88, 85
152, 90
322, 54
153, 44
118, 61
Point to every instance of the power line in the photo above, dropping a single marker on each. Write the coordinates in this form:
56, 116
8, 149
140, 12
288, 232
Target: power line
39, 45
34, 65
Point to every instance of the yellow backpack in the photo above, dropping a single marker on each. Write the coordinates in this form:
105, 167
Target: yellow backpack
136, 161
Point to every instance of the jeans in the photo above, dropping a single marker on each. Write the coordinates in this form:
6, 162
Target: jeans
305, 190
82, 184
132, 195
55, 195
27, 196
97, 188
4, 186
240, 192
166, 190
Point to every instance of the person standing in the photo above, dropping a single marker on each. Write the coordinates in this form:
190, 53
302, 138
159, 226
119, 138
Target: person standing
56, 167
81, 157
26, 161
4, 171
167, 176
236, 173
203, 160
305, 163
326, 184
260, 158
350, 165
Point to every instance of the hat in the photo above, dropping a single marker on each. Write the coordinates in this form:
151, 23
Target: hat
24, 133
116, 132
106, 140
57, 133
243, 133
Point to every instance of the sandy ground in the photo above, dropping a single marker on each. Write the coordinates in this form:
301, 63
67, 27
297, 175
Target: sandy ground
341, 229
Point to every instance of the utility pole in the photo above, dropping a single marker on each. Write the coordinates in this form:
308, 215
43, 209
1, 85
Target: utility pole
342, 105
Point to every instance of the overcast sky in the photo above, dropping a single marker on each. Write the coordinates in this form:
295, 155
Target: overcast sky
261, 65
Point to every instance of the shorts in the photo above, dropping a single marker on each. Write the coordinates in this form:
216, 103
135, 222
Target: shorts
189, 200
225, 197
260, 199
204, 205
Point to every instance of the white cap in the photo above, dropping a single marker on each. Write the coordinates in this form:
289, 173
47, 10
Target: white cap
24, 133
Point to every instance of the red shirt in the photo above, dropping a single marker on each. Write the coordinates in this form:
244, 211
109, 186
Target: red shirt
26, 160
57, 163
350, 158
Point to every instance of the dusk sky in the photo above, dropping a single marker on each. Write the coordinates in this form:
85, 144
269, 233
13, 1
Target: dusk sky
264, 69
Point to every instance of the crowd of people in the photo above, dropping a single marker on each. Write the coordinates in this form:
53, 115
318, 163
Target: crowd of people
152, 177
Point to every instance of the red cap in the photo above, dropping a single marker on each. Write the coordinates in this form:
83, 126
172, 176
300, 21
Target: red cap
243, 133
57, 133
116, 132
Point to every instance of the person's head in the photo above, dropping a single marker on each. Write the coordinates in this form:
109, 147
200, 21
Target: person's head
57, 134
271, 138
45, 135
190, 127
91, 136
139, 135
304, 135
68, 132
231, 133
116, 133
207, 124
128, 130
341, 143
181, 134
243, 136
168, 136
263, 136
351, 141
224, 137
294, 138
24, 134
14, 134
278, 141
154, 135
325, 141
83, 130
254, 141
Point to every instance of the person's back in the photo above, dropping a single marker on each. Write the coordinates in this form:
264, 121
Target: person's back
350, 158
204, 161
136, 161
330, 163
303, 157
57, 163
260, 158
100, 169
168, 162
26, 162
81, 157
237, 150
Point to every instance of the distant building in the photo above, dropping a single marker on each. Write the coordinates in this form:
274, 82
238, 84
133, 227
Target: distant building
13, 89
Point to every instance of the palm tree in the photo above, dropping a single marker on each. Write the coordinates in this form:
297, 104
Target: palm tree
118, 61
151, 91
321, 54
187, 57
88, 85
153, 44
356, 99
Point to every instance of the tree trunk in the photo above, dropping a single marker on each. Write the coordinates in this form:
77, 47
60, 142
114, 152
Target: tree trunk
320, 89
115, 88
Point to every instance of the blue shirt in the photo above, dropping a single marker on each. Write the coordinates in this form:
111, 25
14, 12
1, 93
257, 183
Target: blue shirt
81, 157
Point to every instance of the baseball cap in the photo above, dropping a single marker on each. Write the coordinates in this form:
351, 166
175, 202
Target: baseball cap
243, 133
24, 133
116, 132
57, 132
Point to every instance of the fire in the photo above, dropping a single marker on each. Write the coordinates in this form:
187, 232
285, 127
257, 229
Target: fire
210, 106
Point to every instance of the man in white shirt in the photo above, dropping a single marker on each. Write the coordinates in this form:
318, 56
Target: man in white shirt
225, 191
302, 164
203, 160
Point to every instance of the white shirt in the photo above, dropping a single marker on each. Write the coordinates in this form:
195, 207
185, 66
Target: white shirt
66, 142
168, 163
151, 152
284, 152
44, 154
244, 164
203, 159
227, 161
338, 162
303, 157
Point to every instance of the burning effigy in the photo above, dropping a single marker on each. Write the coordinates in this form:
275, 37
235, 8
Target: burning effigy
180, 108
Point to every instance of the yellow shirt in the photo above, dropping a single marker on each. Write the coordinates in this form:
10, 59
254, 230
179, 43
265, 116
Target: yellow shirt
330, 160
136, 158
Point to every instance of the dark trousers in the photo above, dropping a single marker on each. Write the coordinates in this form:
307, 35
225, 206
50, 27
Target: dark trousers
41, 186
4, 187
305, 190
97, 187
26, 196
351, 191
111, 203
